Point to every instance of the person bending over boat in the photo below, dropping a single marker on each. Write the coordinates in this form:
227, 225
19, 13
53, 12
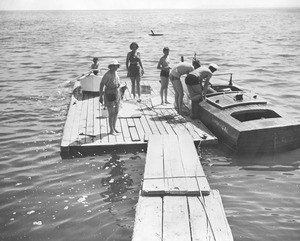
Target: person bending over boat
135, 69
175, 74
163, 65
111, 94
95, 66
194, 83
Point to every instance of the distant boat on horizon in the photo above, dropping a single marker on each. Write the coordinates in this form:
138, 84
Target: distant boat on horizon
155, 34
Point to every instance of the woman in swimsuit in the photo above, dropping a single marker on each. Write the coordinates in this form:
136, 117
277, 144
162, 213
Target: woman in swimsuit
135, 69
164, 67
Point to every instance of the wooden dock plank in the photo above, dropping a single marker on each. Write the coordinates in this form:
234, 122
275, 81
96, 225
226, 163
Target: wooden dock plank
174, 172
154, 187
193, 218
132, 130
156, 117
125, 130
120, 136
217, 217
154, 165
149, 118
104, 128
96, 120
74, 109
175, 219
146, 127
177, 122
164, 118
191, 162
148, 210
139, 128
75, 138
173, 167
83, 119
90, 120
200, 224
87, 123
192, 165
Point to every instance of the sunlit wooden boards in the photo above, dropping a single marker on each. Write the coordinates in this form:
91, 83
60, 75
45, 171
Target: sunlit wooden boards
87, 123
176, 202
173, 167
170, 218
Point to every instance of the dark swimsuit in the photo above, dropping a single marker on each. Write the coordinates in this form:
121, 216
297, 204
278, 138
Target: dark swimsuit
191, 80
164, 73
134, 69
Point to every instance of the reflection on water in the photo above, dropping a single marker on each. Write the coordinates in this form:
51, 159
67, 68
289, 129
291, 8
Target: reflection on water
118, 182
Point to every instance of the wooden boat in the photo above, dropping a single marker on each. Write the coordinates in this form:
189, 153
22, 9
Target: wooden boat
246, 122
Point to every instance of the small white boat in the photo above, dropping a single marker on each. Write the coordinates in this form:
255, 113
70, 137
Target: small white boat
90, 82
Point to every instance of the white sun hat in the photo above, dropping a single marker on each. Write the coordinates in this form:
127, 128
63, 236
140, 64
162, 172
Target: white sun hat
114, 62
215, 66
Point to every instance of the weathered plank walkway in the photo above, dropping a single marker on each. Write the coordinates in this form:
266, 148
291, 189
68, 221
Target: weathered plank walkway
173, 167
86, 128
176, 211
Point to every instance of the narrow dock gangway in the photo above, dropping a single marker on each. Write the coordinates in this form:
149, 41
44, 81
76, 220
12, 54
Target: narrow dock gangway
176, 202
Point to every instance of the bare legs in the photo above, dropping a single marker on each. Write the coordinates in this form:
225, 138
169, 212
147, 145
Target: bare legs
164, 89
136, 80
195, 92
112, 118
177, 85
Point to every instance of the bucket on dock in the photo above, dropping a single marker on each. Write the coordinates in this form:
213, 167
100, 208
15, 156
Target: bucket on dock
103, 112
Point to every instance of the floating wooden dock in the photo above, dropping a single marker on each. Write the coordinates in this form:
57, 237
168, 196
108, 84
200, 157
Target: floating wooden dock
86, 128
176, 202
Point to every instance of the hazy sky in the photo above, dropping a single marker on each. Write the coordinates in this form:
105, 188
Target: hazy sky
140, 4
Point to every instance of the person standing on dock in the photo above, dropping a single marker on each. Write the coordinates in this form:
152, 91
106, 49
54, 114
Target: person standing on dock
194, 83
163, 65
111, 94
177, 71
135, 69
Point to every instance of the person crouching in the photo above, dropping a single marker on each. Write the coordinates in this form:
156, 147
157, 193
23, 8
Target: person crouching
194, 82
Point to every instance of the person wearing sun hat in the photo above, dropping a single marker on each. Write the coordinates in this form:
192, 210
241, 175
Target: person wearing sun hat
111, 94
194, 83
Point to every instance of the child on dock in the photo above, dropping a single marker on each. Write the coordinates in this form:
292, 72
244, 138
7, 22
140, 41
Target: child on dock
111, 94
95, 66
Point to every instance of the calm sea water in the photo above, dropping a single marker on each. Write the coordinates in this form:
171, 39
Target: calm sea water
46, 198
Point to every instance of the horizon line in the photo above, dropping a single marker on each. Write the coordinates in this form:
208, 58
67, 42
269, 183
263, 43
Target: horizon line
120, 9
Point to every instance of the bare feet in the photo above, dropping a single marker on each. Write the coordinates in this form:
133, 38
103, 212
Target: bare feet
116, 131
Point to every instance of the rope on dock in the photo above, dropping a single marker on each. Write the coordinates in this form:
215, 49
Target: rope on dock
201, 200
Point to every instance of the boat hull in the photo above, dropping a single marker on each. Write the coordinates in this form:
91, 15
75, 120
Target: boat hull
249, 125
